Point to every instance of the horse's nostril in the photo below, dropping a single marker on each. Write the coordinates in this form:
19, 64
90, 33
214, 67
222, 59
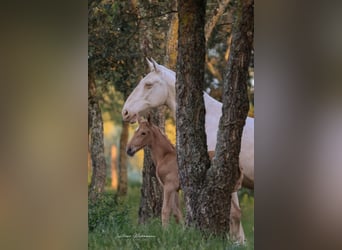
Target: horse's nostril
125, 112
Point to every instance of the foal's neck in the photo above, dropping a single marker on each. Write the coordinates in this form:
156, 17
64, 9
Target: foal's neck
160, 146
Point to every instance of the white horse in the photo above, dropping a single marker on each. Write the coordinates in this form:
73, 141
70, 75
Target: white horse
158, 88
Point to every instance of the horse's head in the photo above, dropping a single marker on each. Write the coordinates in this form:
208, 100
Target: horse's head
152, 91
142, 137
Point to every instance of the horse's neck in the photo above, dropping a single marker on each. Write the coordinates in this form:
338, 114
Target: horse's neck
170, 77
160, 146
211, 104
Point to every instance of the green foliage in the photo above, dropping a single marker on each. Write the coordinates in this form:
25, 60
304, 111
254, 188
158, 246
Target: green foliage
128, 234
106, 212
116, 32
113, 43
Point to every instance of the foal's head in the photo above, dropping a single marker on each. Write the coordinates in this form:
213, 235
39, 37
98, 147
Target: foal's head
142, 137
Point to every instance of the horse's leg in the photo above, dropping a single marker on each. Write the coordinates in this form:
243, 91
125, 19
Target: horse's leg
166, 209
239, 182
176, 209
236, 229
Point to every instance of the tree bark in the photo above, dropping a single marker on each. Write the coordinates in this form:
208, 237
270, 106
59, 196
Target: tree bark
193, 159
113, 156
123, 180
207, 187
210, 25
151, 191
172, 40
95, 128
222, 176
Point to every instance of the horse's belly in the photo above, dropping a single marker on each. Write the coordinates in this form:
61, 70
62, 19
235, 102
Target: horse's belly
211, 128
247, 149
247, 143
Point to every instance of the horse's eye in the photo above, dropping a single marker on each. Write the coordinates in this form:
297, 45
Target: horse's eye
148, 85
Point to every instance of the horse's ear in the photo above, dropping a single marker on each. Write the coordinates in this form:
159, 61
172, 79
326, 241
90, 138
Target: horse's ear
150, 64
155, 65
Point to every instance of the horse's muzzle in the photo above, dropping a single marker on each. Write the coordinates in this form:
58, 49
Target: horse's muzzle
128, 117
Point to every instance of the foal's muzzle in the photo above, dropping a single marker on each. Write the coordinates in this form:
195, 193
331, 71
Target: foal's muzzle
130, 151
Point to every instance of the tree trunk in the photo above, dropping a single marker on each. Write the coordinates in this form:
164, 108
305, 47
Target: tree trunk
90, 164
210, 25
151, 191
145, 36
113, 156
193, 159
222, 176
96, 140
122, 189
172, 40
206, 187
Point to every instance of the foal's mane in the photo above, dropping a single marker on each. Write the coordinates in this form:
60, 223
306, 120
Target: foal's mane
163, 135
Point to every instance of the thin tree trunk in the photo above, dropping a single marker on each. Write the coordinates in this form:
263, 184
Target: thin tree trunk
212, 69
229, 42
114, 167
210, 25
89, 166
172, 40
96, 140
151, 191
122, 189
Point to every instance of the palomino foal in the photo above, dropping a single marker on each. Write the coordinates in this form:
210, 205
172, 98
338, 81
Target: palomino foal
165, 160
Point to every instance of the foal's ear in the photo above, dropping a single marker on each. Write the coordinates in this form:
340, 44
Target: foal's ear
149, 118
140, 119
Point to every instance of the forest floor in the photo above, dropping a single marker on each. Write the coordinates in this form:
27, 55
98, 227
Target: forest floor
115, 226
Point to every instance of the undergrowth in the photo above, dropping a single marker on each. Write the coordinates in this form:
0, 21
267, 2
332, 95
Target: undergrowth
113, 225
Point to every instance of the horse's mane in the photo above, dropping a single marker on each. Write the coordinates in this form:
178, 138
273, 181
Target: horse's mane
167, 70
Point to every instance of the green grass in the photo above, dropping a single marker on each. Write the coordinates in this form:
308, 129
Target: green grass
123, 232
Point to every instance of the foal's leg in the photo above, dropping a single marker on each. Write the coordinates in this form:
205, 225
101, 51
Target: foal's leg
175, 208
166, 209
